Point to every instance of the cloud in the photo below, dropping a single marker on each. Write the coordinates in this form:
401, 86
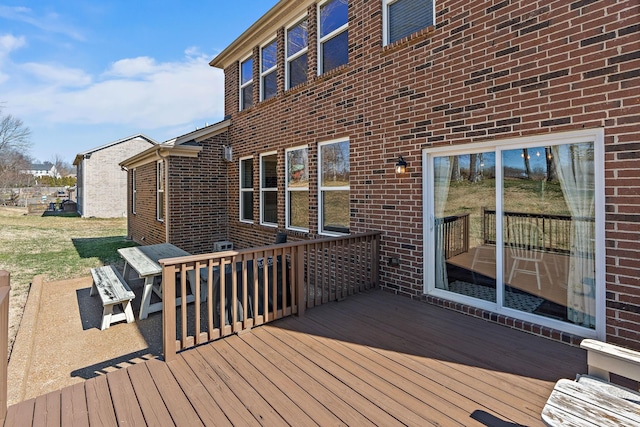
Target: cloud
50, 22
138, 92
9, 43
133, 67
56, 75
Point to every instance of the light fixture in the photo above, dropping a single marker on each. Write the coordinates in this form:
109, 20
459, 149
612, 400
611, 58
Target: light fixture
401, 166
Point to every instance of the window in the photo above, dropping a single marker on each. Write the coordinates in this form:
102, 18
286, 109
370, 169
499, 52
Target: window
246, 189
246, 84
404, 17
297, 43
531, 211
133, 191
268, 74
334, 40
269, 189
297, 184
160, 190
334, 187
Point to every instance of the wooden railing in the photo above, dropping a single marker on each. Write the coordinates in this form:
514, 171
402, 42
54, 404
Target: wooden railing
556, 229
260, 285
4, 339
454, 232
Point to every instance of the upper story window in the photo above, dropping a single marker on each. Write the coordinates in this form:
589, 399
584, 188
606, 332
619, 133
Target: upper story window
297, 45
268, 74
246, 84
334, 187
333, 49
404, 17
297, 188
160, 190
134, 191
246, 189
269, 189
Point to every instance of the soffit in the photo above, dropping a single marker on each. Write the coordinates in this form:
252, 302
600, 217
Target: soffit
284, 13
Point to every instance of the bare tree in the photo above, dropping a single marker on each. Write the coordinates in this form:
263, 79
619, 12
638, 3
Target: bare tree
473, 168
527, 164
552, 175
62, 168
14, 135
455, 169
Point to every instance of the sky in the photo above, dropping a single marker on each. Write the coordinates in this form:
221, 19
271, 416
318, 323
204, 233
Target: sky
83, 73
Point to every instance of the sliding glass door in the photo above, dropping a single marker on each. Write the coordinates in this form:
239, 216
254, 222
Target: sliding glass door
512, 228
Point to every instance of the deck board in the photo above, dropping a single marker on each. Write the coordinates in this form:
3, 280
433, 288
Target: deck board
371, 359
125, 404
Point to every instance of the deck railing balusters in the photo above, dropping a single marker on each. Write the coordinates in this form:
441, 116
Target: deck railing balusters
254, 286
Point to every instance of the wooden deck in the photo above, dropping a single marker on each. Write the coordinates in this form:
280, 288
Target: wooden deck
372, 359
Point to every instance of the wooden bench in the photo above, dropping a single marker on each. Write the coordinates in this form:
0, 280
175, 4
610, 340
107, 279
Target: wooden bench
113, 291
592, 400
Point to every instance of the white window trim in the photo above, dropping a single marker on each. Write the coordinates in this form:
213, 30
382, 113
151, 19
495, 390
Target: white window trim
596, 136
160, 205
273, 69
266, 189
244, 190
288, 59
134, 190
385, 19
242, 86
287, 189
322, 40
321, 188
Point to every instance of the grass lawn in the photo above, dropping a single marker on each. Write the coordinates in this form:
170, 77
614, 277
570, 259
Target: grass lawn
56, 247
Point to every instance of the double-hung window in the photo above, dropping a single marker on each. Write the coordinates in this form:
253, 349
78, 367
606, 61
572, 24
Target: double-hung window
334, 187
334, 38
268, 74
402, 18
246, 83
160, 190
246, 189
297, 45
133, 191
269, 189
297, 188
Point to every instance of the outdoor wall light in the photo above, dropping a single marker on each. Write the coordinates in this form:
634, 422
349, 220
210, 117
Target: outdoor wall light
401, 166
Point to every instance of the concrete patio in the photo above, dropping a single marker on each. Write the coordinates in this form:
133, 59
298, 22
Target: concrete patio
60, 343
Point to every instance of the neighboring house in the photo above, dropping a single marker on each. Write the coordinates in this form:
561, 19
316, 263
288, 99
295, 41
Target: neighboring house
191, 168
42, 169
493, 143
101, 189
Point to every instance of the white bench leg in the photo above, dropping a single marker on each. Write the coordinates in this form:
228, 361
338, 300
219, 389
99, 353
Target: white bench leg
146, 297
128, 311
106, 316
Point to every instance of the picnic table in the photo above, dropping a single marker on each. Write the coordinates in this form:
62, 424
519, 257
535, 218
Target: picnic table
144, 261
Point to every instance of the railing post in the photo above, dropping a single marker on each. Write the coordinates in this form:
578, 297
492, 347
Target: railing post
299, 274
5, 287
169, 312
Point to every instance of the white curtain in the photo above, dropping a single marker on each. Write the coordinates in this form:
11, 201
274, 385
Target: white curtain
575, 169
442, 178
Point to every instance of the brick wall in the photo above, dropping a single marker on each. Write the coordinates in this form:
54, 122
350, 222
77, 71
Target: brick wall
198, 202
488, 70
104, 182
143, 226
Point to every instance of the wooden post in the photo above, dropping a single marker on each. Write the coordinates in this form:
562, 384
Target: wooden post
169, 312
4, 338
299, 278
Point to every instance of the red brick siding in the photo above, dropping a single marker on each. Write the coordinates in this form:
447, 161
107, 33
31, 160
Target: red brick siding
488, 70
143, 226
198, 202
